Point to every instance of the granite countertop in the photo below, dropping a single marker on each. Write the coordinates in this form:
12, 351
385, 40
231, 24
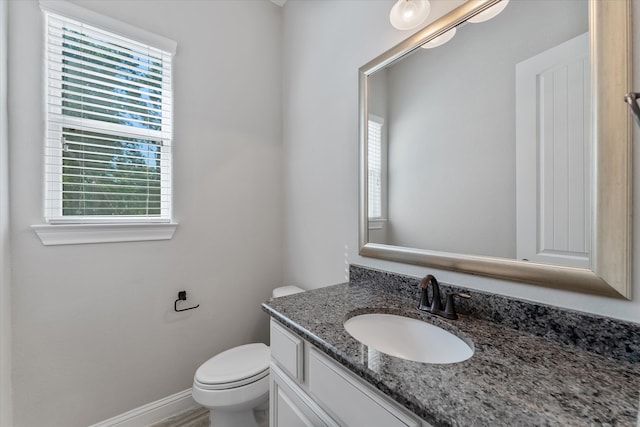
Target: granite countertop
514, 378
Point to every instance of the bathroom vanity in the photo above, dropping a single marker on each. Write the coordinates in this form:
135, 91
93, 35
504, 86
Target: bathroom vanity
532, 364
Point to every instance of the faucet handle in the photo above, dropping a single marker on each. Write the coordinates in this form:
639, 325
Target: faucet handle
424, 304
450, 308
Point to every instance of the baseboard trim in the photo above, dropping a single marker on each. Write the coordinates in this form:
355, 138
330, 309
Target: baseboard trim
153, 412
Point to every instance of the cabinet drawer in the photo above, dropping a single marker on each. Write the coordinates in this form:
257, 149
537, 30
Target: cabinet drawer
286, 350
352, 403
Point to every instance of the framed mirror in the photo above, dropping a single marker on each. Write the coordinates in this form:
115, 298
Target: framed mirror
506, 151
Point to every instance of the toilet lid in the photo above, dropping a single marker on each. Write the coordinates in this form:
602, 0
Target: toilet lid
235, 365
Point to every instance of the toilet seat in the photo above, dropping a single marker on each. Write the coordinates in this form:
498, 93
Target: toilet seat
235, 367
232, 384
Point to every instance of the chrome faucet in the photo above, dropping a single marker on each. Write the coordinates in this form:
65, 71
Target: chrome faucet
435, 306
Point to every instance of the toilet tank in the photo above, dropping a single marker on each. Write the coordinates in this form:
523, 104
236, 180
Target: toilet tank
286, 290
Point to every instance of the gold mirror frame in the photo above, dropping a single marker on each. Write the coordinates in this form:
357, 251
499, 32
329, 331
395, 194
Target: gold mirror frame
610, 272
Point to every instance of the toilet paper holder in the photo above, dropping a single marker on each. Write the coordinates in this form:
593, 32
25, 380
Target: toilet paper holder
182, 296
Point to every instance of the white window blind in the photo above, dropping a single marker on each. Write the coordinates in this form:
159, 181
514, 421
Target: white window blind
109, 130
374, 162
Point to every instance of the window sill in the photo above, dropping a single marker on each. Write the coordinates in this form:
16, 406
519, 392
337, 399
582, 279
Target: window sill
377, 223
77, 234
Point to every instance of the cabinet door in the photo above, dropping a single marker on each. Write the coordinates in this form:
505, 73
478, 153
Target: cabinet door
287, 412
290, 406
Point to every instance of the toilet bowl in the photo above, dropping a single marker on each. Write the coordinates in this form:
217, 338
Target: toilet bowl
235, 382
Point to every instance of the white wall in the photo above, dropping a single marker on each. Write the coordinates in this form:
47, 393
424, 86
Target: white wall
94, 332
324, 45
5, 265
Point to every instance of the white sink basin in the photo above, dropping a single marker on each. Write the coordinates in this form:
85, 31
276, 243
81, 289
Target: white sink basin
408, 338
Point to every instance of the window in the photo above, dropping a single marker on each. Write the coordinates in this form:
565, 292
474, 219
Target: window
374, 162
109, 126
108, 129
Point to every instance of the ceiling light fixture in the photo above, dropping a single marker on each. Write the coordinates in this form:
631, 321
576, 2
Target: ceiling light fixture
440, 40
492, 12
409, 14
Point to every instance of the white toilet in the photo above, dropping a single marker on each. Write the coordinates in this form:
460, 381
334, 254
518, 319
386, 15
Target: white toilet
233, 383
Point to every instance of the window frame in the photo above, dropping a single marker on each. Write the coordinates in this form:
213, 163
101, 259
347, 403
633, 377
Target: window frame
378, 222
96, 229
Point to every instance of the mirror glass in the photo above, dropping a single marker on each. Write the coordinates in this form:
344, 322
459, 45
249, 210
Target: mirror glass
488, 154
468, 128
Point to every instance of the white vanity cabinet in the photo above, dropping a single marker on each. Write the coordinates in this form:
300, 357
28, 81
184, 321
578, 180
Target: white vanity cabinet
307, 388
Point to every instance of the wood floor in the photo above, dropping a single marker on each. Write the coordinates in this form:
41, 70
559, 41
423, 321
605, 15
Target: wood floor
199, 417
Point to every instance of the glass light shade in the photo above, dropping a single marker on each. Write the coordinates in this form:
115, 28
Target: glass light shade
409, 14
492, 12
440, 40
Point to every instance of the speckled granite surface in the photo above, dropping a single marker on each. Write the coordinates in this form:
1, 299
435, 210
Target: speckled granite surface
515, 378
602, 335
